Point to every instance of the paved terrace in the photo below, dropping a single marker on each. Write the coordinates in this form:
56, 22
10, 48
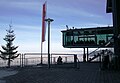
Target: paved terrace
88, 73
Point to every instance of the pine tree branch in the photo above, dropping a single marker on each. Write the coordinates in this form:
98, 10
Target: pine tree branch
13, 57
4, 48
3, 57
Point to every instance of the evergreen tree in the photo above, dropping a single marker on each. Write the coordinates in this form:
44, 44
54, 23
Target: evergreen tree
9, 52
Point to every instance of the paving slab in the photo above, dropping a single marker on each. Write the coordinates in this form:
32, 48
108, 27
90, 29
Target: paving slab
87, 73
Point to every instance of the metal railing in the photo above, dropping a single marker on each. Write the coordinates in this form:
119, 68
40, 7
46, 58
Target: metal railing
28, 59
106, 44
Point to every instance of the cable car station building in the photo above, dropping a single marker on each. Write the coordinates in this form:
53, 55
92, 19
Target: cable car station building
95, 37
88, 38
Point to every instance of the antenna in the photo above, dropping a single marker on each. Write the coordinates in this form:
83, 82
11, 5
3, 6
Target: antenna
67, 27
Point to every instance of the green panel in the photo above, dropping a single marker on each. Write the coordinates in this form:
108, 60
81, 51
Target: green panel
75, 38
101, 39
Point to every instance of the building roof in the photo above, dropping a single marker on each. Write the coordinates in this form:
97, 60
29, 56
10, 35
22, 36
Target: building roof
94, 28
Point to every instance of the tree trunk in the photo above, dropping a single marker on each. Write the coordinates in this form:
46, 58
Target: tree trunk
9, 62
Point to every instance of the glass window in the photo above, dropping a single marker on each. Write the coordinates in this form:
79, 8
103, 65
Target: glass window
101, 39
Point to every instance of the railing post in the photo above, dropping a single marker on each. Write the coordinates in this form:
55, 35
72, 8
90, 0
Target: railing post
75, 61
84, 56
51, 58
100, 60
20, 60
24, 59
54, 60
66, 59
87, 55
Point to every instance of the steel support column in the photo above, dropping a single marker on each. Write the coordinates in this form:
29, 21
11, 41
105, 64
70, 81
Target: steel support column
116, 25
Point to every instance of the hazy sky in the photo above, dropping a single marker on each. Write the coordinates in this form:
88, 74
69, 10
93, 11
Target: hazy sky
26, 16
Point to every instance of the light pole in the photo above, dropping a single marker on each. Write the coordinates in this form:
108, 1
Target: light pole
49, 21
